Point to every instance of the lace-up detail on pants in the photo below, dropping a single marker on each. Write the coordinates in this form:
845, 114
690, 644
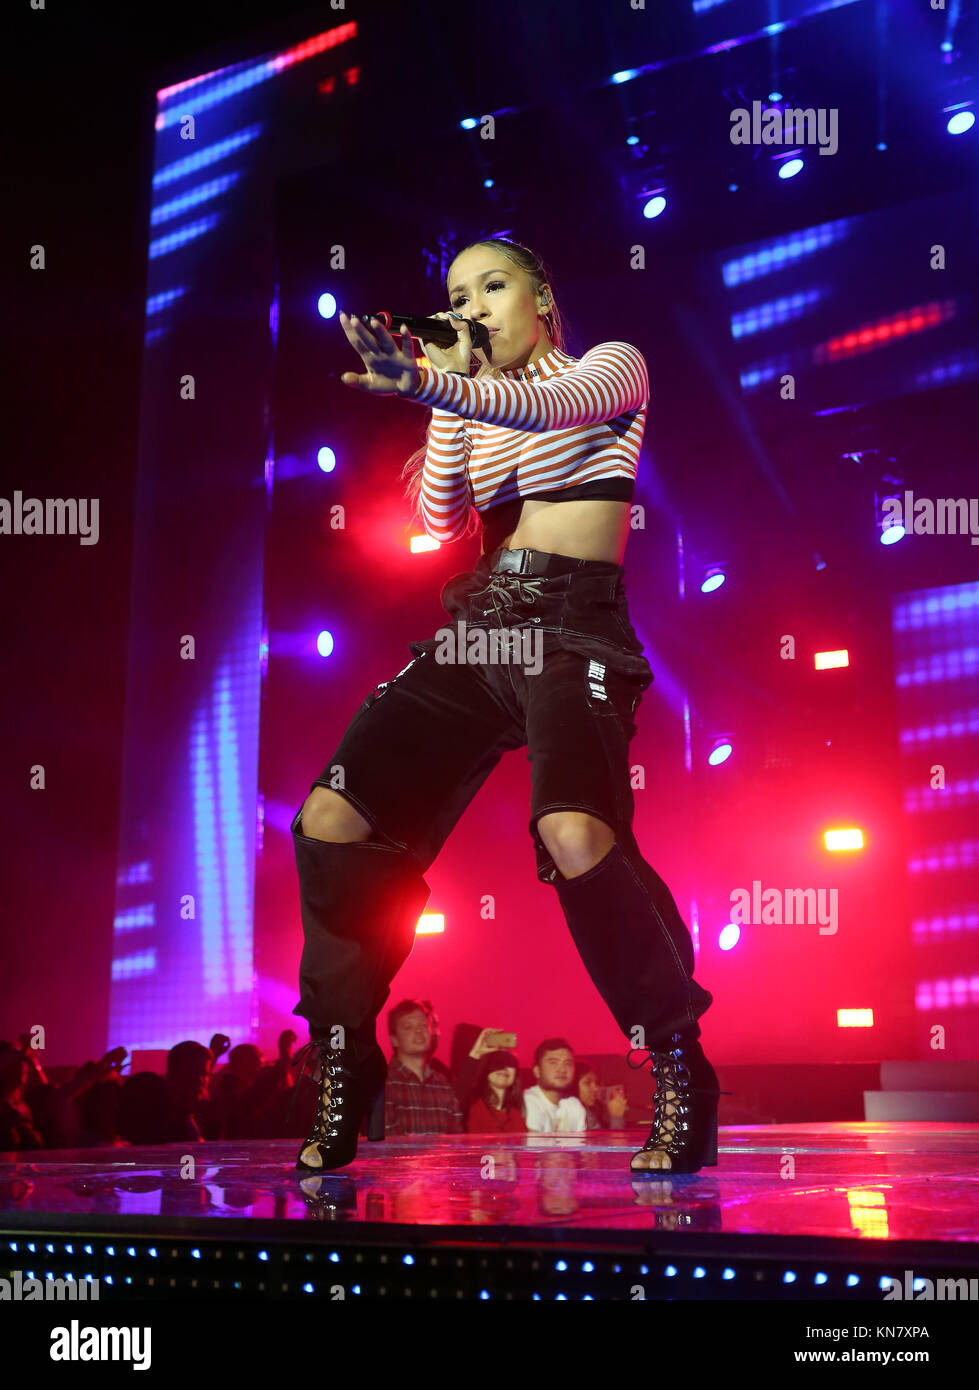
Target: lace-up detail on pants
506, 590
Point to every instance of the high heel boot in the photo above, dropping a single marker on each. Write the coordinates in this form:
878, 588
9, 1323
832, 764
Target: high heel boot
683, 1136
360, 904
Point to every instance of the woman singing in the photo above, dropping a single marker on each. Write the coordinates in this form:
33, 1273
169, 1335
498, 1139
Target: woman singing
541, 449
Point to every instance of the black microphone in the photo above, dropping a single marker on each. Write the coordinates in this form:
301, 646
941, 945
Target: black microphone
437, 331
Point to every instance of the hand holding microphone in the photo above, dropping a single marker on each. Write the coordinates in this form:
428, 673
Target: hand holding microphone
455, 358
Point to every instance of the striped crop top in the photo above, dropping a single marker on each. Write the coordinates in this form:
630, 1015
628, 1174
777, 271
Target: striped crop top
561, 429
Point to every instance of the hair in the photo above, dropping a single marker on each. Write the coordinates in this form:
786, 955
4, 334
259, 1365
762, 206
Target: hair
550, 1045
498, 1061
557, 327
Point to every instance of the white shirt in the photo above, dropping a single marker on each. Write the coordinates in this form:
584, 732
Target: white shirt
541, 1117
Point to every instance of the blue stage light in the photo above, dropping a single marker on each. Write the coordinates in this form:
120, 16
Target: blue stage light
487, 183
732, 188
712, 580
326, 305
632, 140
626, 75
469, 123
655, 206
720, 753
882, 144
961, 122
790, 168
324, 643
774, 96
891, 535
326, 459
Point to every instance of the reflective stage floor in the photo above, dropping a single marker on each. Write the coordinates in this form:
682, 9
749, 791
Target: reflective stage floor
852, 1199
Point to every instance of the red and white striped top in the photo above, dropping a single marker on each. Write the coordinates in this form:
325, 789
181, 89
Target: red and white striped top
540, 429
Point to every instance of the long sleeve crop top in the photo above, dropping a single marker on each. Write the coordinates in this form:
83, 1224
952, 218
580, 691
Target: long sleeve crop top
562, 428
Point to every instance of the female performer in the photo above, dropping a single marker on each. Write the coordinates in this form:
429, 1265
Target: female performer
542, 449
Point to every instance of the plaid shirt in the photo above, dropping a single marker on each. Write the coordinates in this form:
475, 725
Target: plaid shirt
420, 1107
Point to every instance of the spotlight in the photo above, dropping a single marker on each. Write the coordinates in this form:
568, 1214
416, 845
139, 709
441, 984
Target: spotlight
469, 123
774, 96
654, 206
626, 75
326, 459
324, 643
722, 750
713, 579
326, 306
487, 183
891, 535
790, 168
961, 122
729, 937
632, 140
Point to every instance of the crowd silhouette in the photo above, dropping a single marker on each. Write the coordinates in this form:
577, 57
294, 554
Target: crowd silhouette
244, 1097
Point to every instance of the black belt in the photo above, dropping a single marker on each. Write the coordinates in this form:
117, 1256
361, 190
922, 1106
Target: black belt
537, 562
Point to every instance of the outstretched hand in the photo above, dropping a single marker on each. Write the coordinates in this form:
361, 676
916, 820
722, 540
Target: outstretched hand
390, 370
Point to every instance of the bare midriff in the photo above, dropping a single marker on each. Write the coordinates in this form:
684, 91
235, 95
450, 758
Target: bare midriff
588, 530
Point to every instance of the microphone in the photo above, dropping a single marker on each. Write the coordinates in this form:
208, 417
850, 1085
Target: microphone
437, 331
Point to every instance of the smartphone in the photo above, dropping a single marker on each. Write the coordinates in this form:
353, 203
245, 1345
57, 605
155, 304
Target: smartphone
507, 1041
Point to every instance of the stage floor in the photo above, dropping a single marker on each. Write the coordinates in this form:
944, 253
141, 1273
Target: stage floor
901, 1182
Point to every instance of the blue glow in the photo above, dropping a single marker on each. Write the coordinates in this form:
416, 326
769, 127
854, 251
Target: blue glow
407, 1259
891, 535
469, 123
774, 96
128, 967
326, 305
487, 183
754, 376
632, 140
780, 252
719, 754
732, 188
324, 643
961, 122
947, 45
655, 206
790, 168
224, 917
165, 244
727, 1273
211, 154
729, 937
776, 28
699, 1272
669, 1271
326, 459
882, 144
202, 194
714, 579
626, 75
957, 664
788, 1277
158, 302
762, 316
134, 917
